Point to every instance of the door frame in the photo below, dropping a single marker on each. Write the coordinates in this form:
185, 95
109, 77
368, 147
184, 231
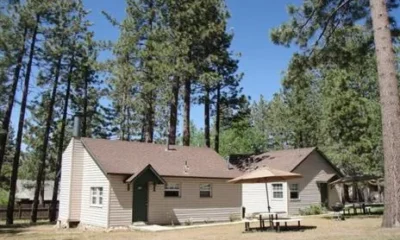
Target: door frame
146, 204
146, 176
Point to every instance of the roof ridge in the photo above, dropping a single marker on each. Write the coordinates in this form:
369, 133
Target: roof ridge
144, 143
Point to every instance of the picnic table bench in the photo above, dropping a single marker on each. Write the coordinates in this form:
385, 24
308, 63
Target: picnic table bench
262, 217
278, 222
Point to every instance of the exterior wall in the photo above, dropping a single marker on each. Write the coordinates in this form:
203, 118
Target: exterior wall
120, 201
225, 196
93, 177
313, 169
76, 181
65, 183
255, 198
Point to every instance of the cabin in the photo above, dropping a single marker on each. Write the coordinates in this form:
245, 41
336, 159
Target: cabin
313, 188
111, 183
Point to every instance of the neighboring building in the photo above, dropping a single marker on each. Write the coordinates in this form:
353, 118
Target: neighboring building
291, 196
25, 191
114, 183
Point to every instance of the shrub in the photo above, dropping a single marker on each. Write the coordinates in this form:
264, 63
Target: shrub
189, 222
3, 197
313, 210
235, 217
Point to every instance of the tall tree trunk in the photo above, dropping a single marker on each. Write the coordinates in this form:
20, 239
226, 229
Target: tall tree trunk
149, 119
173, 115
60, 147
207, 116
14, 173
217, 118
7, 117
85, 104
390, 109
186, 112
149, 97
42, 163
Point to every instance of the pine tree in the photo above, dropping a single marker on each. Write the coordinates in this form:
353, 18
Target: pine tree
16, 36
312, 26
79, 28
53, 53
14, 174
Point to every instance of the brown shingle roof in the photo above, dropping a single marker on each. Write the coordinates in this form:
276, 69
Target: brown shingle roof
286, 160
121, 157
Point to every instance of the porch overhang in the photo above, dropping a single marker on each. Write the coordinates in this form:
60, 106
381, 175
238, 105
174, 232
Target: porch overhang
158, 178
326, 178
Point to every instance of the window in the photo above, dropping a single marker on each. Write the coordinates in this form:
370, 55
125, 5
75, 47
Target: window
277, 190
205, 190
294, 191
96, 196
172, 190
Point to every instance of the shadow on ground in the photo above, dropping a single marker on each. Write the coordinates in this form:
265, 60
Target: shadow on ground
20, 227
284, 229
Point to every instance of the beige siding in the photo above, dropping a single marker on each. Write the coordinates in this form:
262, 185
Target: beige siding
93, 177
65, 183
313, 169
255, 198
76, 181
224, 196
120, 202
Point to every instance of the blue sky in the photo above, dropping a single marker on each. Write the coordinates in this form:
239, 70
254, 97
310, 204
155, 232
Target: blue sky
262, 62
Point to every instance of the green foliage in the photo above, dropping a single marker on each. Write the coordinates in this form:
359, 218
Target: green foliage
313, 210
3, 197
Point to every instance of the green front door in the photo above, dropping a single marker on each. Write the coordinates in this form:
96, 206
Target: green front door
140, 201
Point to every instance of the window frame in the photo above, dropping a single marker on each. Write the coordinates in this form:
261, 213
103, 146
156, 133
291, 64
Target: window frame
277, 191
294, 191
210, 190
172, 190
95, 194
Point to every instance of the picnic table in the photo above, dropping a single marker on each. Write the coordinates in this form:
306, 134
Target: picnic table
265, 216
364, 207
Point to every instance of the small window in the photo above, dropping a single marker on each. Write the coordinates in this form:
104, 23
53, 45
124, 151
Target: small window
294, 191
96, 196
205, 190
277, 190
172, 190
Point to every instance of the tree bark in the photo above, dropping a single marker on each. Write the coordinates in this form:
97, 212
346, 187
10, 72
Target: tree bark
85, 104
15, 166
390, 109
217, 118
10, 104
186, 113
207, 116
149, 133
42, 163
173, 115
60, 147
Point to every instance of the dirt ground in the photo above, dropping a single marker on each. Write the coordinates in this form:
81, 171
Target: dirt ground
316, 228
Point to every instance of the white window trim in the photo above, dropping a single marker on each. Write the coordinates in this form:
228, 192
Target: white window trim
97, 196
173, 190
211, 190
272, 188
290, 192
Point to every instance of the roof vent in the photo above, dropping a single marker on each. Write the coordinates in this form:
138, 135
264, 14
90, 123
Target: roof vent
186, 168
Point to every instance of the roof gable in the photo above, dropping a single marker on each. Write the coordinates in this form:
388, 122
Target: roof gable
122, 157
286, 160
